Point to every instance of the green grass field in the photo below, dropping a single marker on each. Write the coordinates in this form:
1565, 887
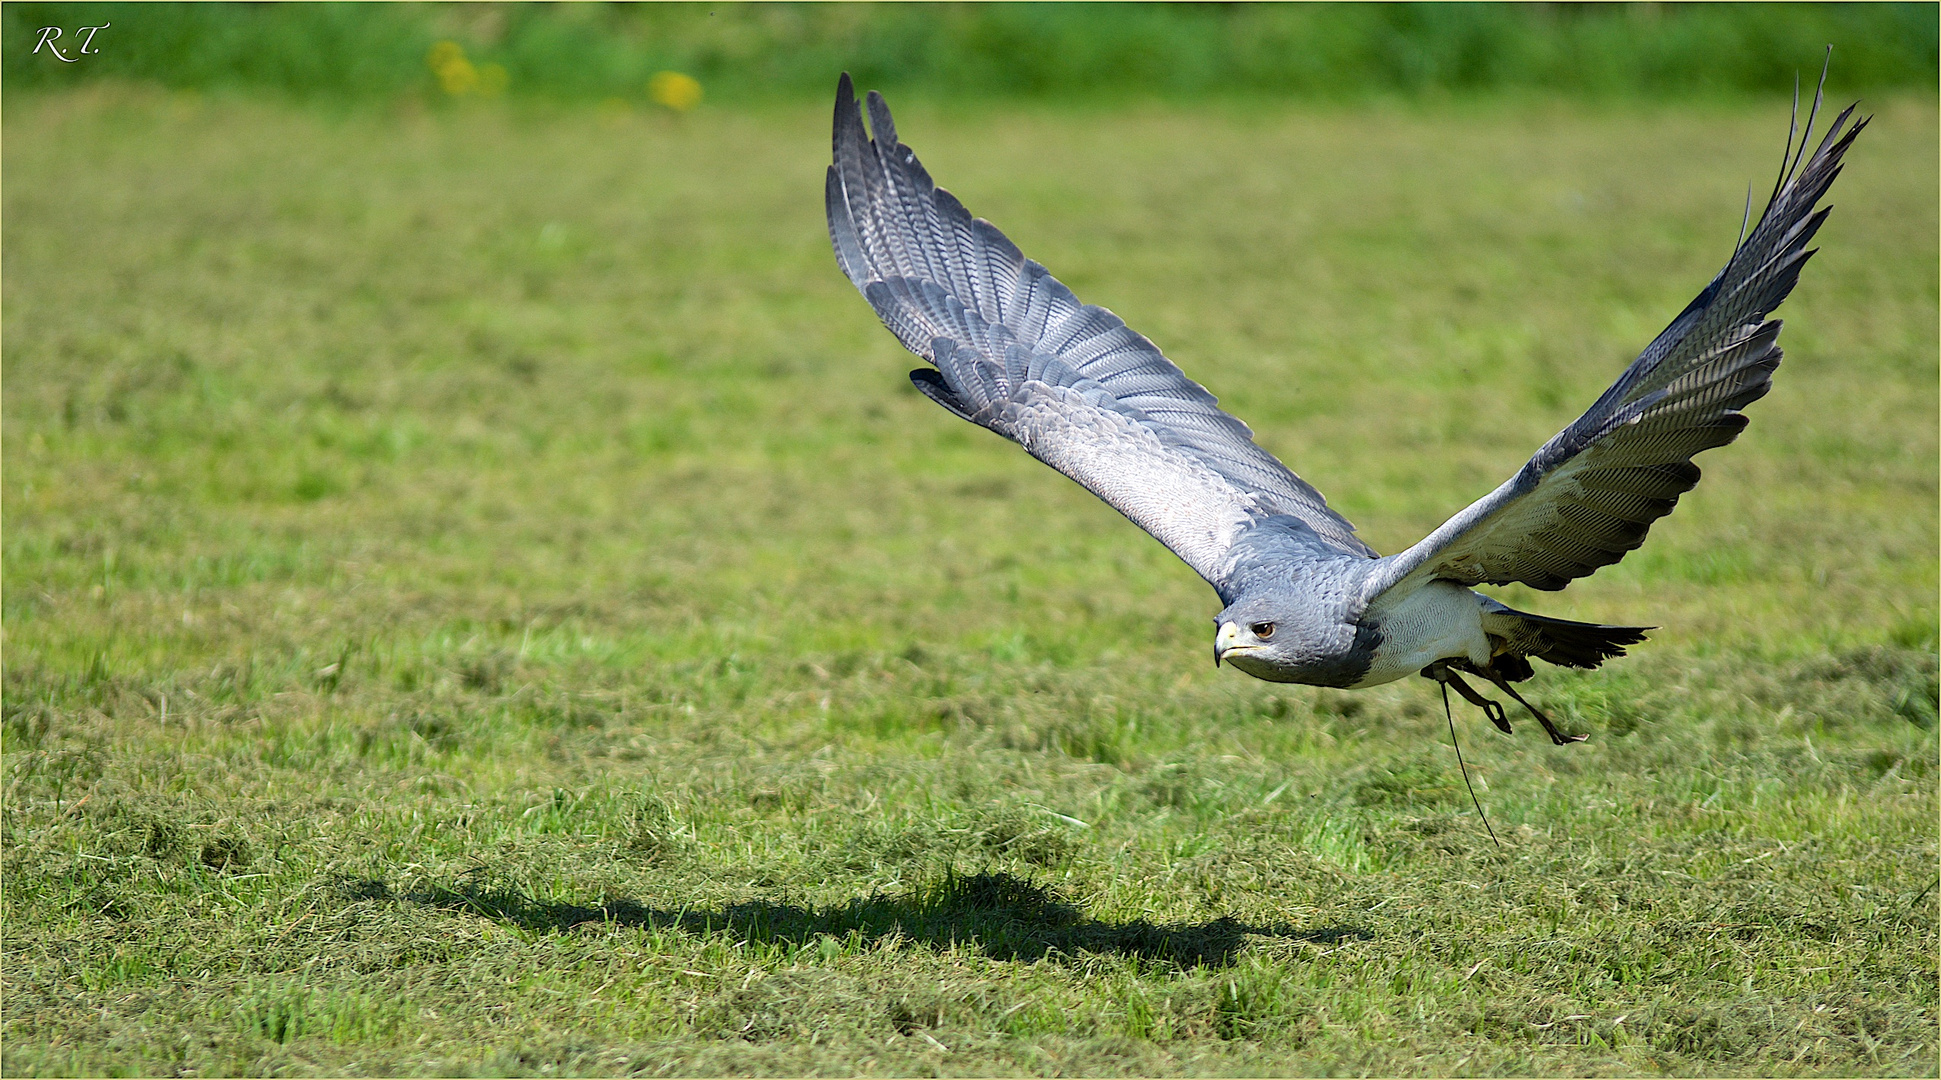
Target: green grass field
481, 596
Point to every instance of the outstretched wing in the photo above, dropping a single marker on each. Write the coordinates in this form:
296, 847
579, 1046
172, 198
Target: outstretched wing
1016, 352
1591, 493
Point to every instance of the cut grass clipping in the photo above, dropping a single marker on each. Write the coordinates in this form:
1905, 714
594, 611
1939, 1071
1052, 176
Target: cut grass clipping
481, 596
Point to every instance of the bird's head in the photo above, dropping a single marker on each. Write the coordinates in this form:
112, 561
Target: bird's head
1258, 639
1294, 639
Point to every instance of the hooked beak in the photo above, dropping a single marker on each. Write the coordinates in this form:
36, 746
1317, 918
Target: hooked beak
1227, 640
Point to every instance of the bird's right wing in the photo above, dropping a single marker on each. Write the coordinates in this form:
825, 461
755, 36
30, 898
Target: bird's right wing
1016, 352
1591, 493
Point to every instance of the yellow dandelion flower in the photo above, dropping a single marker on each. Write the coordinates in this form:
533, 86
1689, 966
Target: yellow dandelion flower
674, 90
456, 75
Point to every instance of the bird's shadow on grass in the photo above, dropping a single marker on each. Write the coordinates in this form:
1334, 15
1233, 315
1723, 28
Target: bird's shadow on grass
1004, 916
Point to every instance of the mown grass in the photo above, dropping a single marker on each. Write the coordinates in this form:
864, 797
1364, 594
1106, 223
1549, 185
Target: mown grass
480, 596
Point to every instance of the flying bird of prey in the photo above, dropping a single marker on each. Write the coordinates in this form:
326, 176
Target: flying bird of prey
1307, 601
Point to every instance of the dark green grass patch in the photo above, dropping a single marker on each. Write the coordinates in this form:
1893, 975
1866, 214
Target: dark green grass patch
352, 52
480, 596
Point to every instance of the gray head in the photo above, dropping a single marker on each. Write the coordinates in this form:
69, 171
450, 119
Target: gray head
1291, 631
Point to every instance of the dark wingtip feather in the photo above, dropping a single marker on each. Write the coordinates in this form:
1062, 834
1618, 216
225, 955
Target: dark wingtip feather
881, 126
845, 109
842, 231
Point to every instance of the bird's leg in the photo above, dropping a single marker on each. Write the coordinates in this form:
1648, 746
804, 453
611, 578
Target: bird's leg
1556, 736
1490, 708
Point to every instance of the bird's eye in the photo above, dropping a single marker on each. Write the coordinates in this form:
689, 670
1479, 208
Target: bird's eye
1262, 630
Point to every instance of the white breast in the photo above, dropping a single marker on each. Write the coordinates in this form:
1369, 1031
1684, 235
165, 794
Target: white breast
1437, 621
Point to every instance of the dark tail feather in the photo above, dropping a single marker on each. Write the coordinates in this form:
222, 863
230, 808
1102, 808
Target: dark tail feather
1559, 641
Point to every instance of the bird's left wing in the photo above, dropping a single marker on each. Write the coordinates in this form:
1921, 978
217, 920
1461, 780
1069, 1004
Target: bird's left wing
1591, 493
1016, 352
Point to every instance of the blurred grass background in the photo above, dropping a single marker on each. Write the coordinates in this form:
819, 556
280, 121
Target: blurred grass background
594, 51
480, 594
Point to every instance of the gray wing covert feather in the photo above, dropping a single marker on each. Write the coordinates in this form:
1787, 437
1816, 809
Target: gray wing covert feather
1016, 352
1591, 493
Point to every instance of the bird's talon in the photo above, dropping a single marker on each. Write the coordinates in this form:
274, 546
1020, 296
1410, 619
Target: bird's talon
1491, 709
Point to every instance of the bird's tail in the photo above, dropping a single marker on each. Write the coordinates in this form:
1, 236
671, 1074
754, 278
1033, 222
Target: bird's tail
1516, 635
